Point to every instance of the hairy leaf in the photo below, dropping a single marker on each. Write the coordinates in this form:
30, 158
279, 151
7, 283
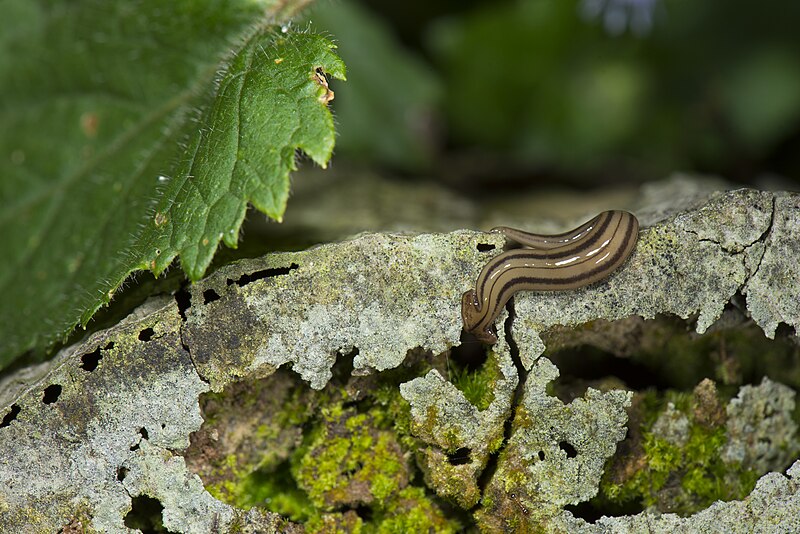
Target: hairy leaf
135, 132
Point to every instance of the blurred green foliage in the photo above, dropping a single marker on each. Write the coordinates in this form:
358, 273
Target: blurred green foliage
707, 86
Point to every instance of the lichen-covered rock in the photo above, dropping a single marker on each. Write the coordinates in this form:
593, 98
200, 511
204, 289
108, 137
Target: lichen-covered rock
681, 266
306, 308
761, 427
685, 452
460, 436
555, 455
97, 434
78, 432
773, 288
773, 506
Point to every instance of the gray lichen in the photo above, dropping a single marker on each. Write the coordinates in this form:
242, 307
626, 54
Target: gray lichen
447, 422
762, 431
555, 455
339, 298
773, 506
107, 420
678, 269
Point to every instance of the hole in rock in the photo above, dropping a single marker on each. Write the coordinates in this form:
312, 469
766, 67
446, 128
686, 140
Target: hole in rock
784, 331
260, 275
567, 447
343, 366
585, 511
209, 295
470, 354
582, 365
122, 472
541, 455
460, 456
184, 301
485, 247
144, 435
665, 353
51, 393
664, 360
90, 361
146, 334
10, 416
146, 515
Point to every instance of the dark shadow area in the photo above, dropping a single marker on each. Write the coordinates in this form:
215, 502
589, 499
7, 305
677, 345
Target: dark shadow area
209, 295
10, 416
51, 393
146, 515
260, 275
184, 300
460, 456
146, 334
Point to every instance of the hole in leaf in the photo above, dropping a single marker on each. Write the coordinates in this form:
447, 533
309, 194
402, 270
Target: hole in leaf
460, 456
265, 273
146, 515
568, 448
10, 416
51, 393
146, 334
485, 247
184, 300
209, 295
122, 472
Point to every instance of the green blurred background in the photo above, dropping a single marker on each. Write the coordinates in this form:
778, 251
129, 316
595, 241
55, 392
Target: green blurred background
498, 95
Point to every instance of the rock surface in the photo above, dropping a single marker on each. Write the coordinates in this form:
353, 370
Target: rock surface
105, 422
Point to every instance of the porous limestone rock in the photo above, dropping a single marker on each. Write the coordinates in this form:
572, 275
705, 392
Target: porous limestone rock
104, 423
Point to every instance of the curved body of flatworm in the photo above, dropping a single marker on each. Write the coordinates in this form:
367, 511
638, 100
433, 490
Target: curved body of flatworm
570, 260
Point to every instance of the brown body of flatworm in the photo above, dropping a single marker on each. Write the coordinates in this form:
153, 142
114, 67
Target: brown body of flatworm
570, 260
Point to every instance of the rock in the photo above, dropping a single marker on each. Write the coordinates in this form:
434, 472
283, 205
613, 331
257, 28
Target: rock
101, 430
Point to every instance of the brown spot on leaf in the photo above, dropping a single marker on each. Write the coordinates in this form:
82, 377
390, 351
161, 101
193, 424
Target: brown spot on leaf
320, 78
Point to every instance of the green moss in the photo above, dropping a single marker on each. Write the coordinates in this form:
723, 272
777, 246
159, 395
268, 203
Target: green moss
354, 453
413, 511
336, 523
276, 491
347, 456
662, 459
696, 468
706, 476
478, 386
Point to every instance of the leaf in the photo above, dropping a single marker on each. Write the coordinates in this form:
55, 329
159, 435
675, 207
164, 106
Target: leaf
137, 132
